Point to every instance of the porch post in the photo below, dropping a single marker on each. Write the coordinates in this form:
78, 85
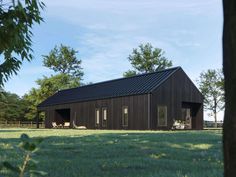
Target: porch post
37, 120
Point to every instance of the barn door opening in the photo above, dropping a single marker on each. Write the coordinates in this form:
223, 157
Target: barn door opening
187, 118
189, 114
62, 117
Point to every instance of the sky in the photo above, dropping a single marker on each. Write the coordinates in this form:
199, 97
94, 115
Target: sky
105, 32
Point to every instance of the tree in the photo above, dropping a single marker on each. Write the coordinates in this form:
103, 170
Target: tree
47, 87
33, 100
147, 59
130, 73
16, 21
12, 107
50, 85
63, 60
229, 68
211, 84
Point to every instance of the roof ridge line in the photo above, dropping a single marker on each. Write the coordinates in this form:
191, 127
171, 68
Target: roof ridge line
177, 67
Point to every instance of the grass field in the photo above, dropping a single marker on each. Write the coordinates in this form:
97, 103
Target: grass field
77, 153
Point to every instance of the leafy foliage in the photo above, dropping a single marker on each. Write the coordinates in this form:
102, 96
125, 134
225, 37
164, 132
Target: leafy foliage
211, 84
27, 147
33, 100
63, 60
47, 87
147, 59
130, 73
50, 85
12, 107
16, 21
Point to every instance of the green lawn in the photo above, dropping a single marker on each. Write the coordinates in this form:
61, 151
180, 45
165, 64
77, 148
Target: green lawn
92, 153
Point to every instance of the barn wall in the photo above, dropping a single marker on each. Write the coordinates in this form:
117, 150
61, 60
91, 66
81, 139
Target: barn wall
175, 91
83, 113
172, 93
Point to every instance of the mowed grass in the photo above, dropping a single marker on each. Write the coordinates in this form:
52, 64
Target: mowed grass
92, 153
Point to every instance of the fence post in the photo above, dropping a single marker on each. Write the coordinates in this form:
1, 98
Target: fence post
19, 124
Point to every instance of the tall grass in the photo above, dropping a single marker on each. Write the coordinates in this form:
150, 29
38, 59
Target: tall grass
121, 153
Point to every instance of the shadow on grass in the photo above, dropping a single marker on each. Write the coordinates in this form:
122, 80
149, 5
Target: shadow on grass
127, 153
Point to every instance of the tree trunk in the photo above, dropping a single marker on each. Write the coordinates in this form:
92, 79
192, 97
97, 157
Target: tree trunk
229, 68
215, 112
215, 117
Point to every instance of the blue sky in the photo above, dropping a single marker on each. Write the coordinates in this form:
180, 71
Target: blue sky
105, 32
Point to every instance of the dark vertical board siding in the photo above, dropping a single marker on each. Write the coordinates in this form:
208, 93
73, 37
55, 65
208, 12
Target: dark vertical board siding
136, 111
110, 115
176, 90
131, 111
172, 93
199, 118
85, 112
47, 120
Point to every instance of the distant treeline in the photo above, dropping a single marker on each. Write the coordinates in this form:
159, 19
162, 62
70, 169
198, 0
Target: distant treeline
14, 107
209, 124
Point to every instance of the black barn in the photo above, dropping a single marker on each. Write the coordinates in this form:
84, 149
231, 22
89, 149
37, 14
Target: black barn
145, 102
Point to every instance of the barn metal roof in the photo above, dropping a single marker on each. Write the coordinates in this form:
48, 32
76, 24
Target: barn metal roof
136, 85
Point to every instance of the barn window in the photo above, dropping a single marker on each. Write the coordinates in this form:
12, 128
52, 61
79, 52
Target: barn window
97, 117
125, 116
162, 116
104, 117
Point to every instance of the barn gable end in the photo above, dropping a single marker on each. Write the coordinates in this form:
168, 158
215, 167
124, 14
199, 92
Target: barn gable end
177, 93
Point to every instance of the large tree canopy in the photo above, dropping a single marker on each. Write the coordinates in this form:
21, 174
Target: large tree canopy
50, 85
211, 84
63, 60
17, 18
47, 87
145, 59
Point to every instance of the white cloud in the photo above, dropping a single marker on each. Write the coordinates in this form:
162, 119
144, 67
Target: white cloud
124, 14
105, 32
108, 59
130, 5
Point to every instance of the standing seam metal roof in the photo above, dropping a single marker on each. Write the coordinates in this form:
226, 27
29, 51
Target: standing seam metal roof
140, 84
